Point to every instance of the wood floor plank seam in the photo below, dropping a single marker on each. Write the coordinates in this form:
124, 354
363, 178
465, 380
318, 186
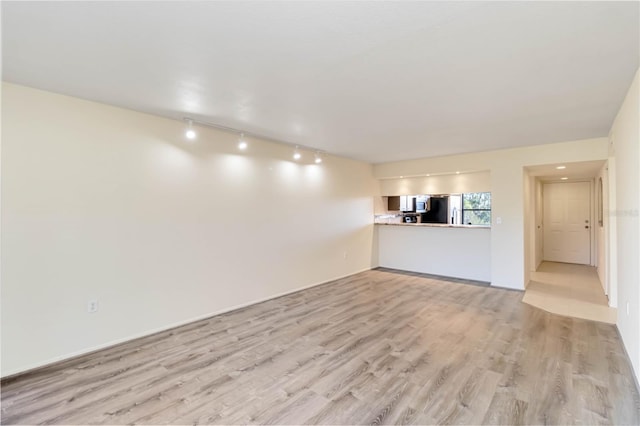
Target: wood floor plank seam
379, 347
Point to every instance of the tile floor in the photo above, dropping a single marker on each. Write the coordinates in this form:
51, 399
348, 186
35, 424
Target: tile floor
570, 290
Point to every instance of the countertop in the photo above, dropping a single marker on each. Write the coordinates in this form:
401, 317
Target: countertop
435, 225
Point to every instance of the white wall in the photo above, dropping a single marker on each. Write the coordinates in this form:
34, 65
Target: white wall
442, 184
602, 230
106, 203
529, 224
539, 237
533, 211
625, 135
452, 252
507, 192
612, 252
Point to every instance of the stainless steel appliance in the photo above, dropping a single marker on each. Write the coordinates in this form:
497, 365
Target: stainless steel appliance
410, 218
422, 204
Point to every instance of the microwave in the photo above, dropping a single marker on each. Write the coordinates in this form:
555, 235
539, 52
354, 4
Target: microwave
422, 204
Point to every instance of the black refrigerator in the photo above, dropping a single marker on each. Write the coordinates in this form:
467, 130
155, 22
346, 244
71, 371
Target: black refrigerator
438, 210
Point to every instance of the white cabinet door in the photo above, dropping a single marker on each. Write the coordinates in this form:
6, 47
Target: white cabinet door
406, 203
403, 203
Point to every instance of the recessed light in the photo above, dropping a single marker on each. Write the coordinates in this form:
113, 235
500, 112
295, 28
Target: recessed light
318, 158
401, 177
457, 173
242, 144
190, 133
296, 154
427, 175
564, 178
561, 167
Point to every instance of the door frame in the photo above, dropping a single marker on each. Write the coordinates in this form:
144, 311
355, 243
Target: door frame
592, 213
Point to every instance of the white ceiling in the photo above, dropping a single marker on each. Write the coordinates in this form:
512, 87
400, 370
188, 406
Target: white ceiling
376, 81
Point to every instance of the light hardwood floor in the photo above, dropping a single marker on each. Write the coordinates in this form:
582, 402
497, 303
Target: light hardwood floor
375, 348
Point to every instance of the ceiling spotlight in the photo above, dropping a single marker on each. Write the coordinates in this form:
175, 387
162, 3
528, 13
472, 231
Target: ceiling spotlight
457, 173
190, 133
242, 144
561, 167
318, 158
427, 175
296, 154
564, 178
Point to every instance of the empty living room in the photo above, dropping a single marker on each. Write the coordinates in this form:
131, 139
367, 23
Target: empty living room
312, 212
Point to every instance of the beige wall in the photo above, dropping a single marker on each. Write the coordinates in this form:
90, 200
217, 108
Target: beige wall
507, 192
625, 137
443, 184
447, 251
109, 204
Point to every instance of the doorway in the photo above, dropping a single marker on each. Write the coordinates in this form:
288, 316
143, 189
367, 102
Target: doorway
567, 222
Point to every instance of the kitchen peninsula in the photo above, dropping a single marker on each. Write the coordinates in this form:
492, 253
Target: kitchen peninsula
448, 249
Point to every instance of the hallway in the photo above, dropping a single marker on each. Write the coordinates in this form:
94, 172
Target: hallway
570, 290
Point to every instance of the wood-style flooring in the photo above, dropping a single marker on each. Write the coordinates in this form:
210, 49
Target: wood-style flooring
375, 348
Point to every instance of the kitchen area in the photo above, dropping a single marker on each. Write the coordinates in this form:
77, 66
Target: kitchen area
470, 209
420, 208
440, 234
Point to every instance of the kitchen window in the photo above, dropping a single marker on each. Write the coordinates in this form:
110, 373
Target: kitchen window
476, 208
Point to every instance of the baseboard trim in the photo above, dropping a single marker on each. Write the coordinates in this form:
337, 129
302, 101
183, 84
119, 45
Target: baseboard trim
434, 276
508, 288
53, 362
634, 376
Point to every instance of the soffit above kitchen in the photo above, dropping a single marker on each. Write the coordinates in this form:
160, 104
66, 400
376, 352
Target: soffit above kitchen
374, 81
566, 171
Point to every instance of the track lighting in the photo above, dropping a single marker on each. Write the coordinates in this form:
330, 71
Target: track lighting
190, 133
242, 144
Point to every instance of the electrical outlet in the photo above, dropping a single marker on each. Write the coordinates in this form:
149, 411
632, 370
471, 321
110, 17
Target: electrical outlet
344, 255
627, 308
499, 221
92, 306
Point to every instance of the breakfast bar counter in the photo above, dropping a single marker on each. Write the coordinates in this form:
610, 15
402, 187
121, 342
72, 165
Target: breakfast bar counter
460, 251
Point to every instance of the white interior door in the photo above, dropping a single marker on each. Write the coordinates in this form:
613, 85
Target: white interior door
567, 222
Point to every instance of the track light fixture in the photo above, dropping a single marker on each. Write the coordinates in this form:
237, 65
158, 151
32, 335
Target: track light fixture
190, 133
242, 144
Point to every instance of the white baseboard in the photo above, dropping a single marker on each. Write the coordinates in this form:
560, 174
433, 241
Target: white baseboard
96, 348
